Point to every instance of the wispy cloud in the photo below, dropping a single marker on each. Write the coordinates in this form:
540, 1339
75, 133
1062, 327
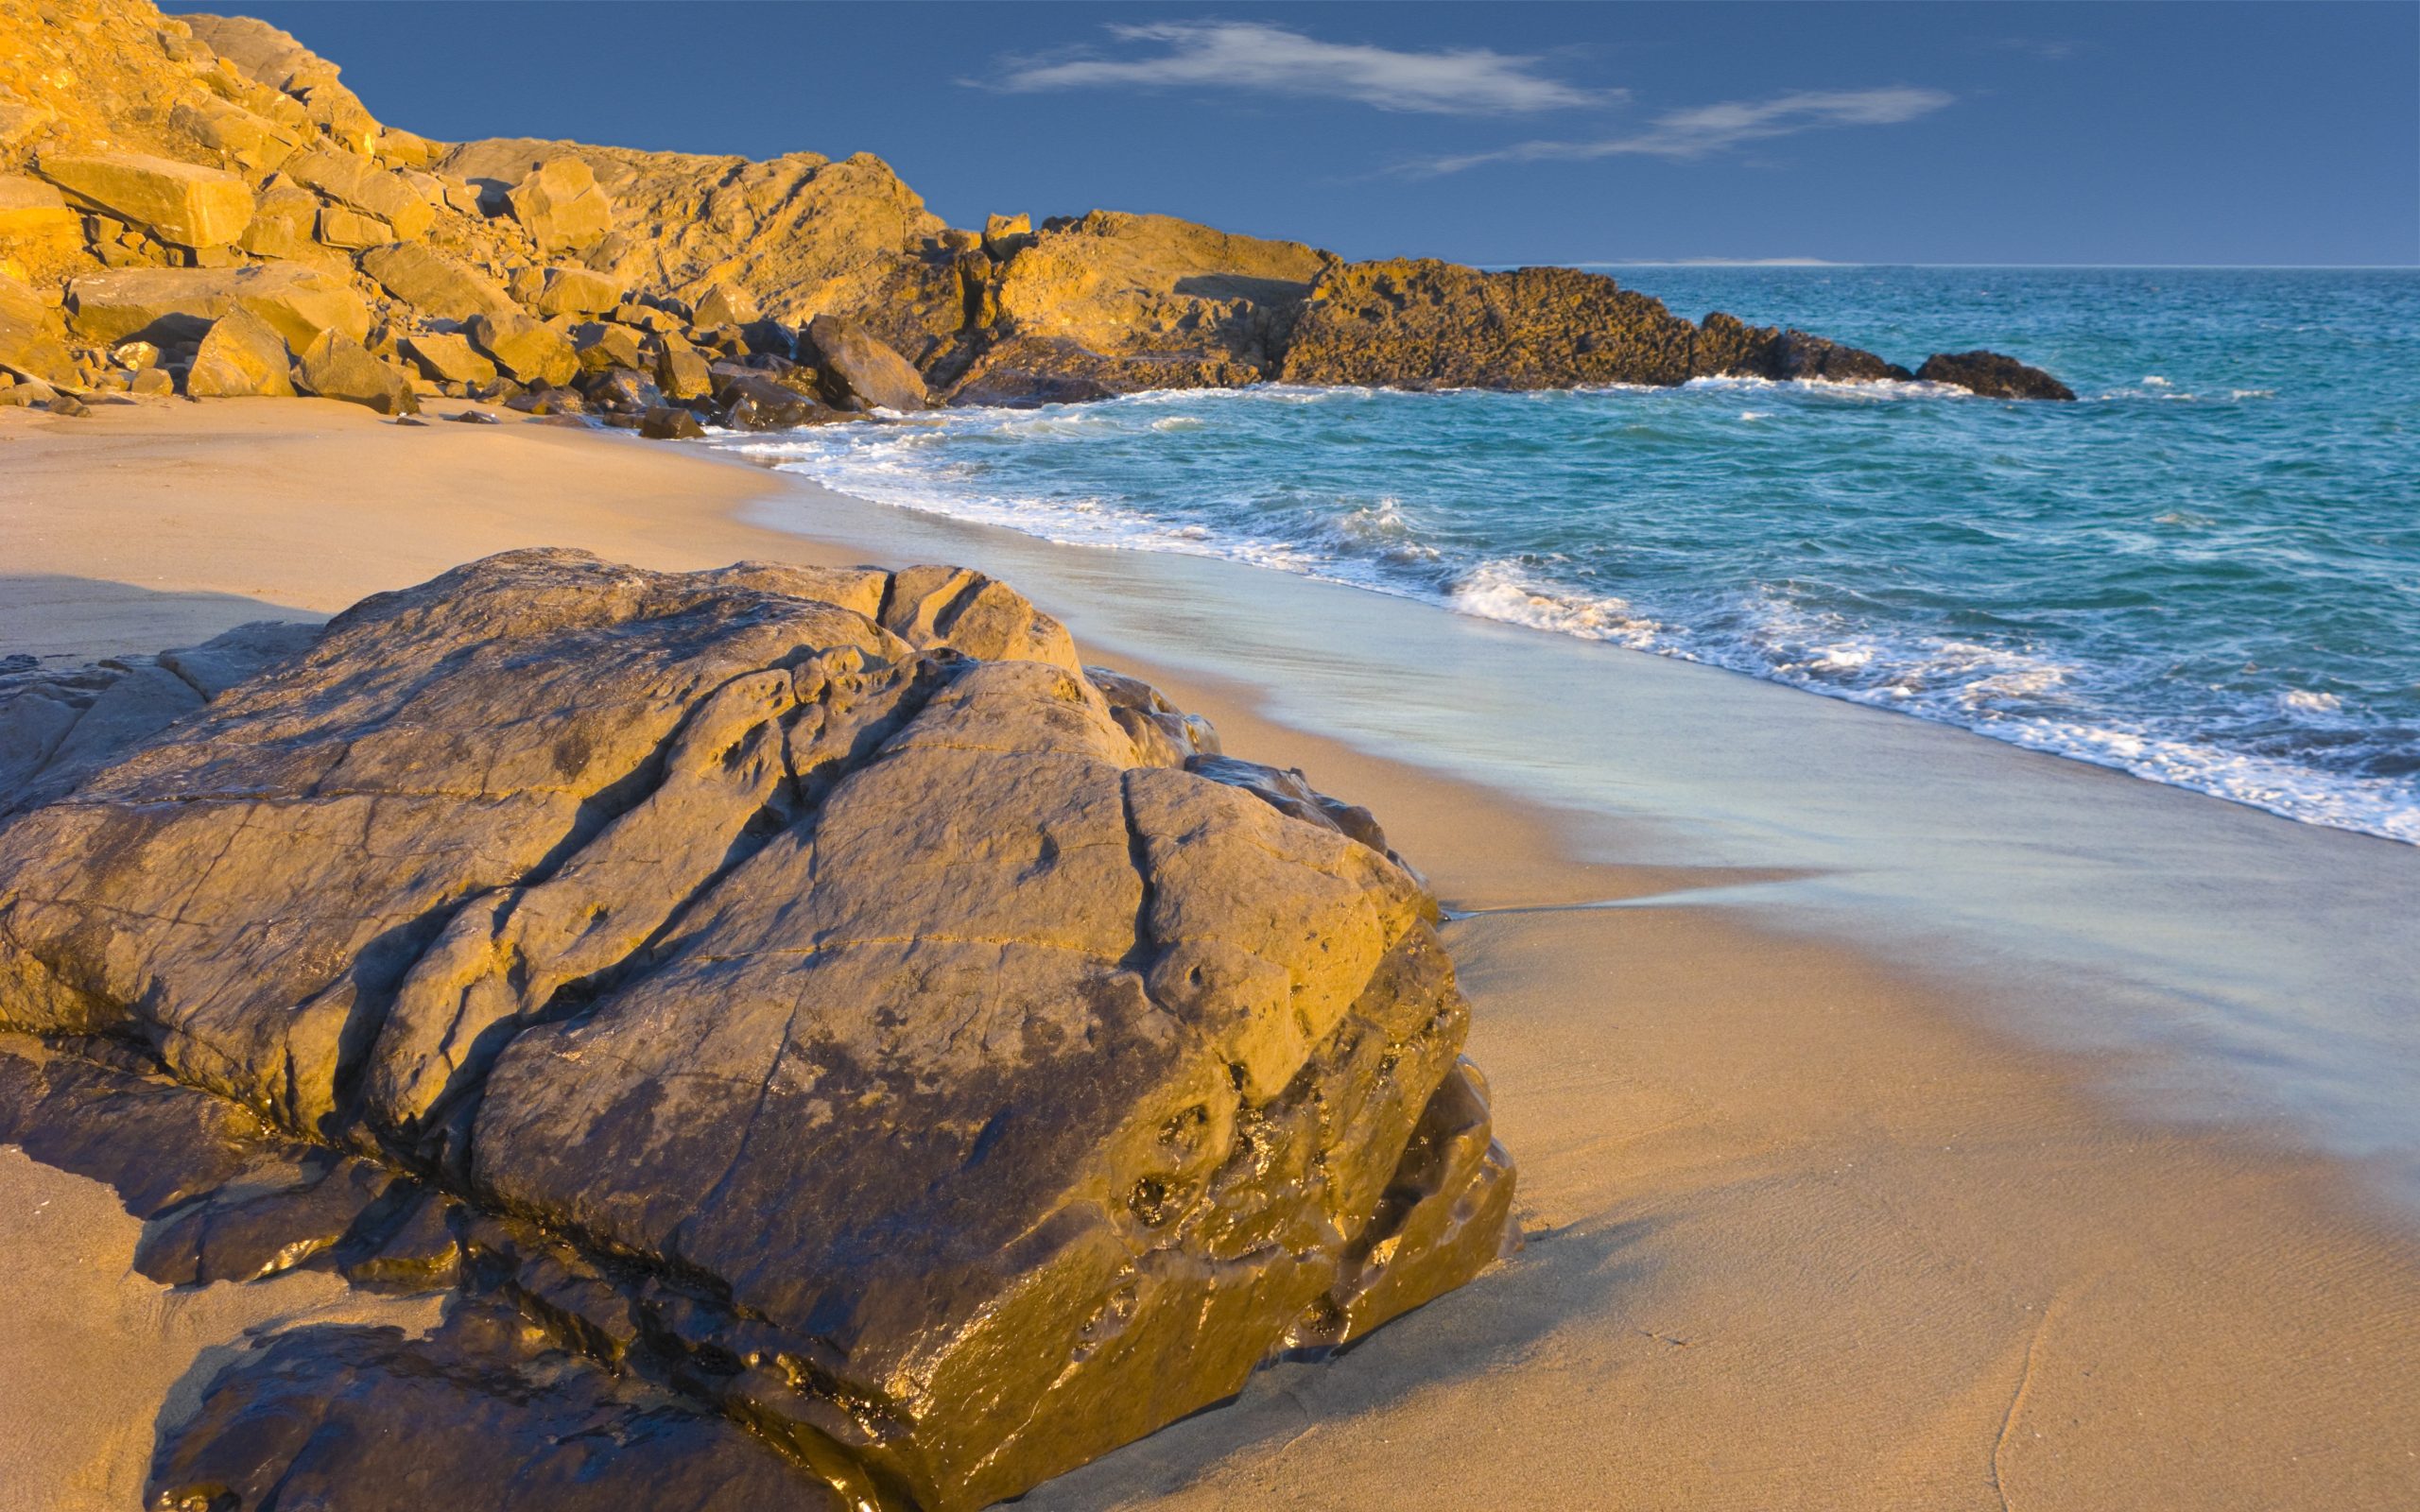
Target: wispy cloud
1705, 130
1257, 56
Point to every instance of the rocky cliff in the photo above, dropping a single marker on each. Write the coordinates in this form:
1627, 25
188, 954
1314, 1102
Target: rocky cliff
158, 173
808, 997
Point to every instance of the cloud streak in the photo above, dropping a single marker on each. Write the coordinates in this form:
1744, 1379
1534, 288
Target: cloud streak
1260, 58
1703, 131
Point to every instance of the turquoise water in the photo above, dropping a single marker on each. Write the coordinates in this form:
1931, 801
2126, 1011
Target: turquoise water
2206, 572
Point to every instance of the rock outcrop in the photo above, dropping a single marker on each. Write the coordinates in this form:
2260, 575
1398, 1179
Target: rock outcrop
176, 202
805, 995
136, 143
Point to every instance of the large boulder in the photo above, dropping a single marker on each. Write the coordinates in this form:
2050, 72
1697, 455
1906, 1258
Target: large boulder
168, 304
448, 357
755, 401
681, 369
528, 351
1993, 376
558, 202
859, 372
33, 213
859, 1036
31, 344
180, 202
358, 184
338, 367
576, 291
243, 356
435, 283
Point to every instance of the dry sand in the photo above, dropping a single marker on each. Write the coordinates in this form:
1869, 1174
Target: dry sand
1804, 1232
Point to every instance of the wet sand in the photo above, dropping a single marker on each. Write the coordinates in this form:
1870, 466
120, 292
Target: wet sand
1808, 1227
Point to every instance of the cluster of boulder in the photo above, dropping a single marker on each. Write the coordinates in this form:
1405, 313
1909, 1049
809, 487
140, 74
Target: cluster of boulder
808, 999
161, 176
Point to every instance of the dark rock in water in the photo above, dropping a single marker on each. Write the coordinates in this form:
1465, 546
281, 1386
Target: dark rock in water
480, 1415
1993, 376
668, 423
1729, 347
811, 996
859, 372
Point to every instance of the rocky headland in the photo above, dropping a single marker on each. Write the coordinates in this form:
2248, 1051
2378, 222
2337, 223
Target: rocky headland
801, 1001
198, 205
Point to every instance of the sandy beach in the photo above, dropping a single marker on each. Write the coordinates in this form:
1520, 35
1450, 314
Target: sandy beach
1805, 1227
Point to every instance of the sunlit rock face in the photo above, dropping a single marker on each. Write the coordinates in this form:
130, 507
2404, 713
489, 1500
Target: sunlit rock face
810, 995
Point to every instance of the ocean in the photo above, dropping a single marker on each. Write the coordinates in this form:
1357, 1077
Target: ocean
2206, 572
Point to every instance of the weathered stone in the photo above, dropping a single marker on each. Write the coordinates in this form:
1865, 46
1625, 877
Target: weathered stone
435, 283
172, 304
350, 230
256, 141
722, 304
1004, 236
1993, 376
30, 337
1727, 347
1432, 324
448, 357
360, 185
530, 351
562, 208
602, 344
576, 291
752, 400
151, 383
681, 371
1190, 298
274, 59
859, 372
666, 423
870, 1041
180, 202
619, 390
309, 1418
32, 211
283, 224
338, 367
1024, 372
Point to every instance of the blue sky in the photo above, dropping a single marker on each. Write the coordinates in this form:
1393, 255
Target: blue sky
2181, 132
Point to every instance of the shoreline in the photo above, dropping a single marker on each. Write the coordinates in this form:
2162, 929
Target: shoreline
1808, 1227
1906, 668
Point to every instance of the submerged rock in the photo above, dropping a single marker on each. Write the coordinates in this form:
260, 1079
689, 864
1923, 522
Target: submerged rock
823, 1003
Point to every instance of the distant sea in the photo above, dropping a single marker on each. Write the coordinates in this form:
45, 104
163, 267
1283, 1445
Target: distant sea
2206, 572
